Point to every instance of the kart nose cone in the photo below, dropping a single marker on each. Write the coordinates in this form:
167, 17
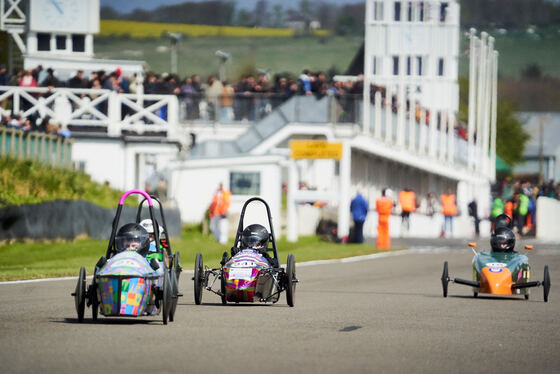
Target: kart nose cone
496, 280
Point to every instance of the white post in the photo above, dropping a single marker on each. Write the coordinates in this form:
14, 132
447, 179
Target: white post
451, 138
481, 99
411, 120
114, 114
488, 97
367, 72
401, 105
432, 133
422, 142
173, 117
493, 128
377, 124
344, 199
388, 114
292, 233
472, 98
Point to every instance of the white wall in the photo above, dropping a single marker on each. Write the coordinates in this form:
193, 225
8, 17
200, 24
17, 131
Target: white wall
548, 215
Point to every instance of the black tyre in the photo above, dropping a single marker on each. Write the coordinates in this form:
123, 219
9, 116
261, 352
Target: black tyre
198, 279
80, 294
178, 268
526, 296
475, 294
546, 284
94, 301
291, 280
166, 298
445, 279
174, 295
223, 288
225, 258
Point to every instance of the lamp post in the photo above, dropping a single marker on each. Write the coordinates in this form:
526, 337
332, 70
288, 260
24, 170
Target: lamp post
223, 57
175, 38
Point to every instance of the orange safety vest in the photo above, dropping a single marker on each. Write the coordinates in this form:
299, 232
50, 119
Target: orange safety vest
220, 203
508, 208
407, 199
448, 205
384, 206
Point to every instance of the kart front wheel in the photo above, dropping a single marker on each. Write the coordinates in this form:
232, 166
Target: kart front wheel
80, 294
291, 280
546, 284
174, 295
166, 299
445, 279
198, 279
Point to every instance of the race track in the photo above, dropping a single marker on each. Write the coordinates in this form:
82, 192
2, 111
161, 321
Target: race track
385, 315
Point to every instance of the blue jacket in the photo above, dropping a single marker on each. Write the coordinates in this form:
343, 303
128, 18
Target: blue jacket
359, 208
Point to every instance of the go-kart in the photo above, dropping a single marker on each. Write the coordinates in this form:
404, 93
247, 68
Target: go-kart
499, 273
248, 275
125, 284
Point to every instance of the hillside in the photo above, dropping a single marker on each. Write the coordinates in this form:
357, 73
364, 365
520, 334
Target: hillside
28, 182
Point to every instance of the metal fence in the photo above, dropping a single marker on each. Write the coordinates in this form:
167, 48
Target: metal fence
46, 148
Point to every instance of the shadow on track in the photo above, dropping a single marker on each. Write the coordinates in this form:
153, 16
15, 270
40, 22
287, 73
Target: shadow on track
108, 321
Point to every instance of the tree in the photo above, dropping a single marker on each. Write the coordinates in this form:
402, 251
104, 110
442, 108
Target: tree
277, 16
532, 71
511, 138
262, 16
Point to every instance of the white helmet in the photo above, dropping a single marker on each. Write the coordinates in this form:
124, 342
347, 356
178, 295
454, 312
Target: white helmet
148, 225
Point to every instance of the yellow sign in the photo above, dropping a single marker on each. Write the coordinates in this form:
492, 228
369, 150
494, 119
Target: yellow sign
313, 149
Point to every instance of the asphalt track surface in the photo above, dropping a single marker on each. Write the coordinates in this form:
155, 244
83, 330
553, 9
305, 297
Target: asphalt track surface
383, 315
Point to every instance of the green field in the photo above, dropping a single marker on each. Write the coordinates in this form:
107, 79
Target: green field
196, 55
293, 54
58, 259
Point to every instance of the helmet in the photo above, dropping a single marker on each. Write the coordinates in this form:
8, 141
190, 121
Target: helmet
132, 237
255, 236
503, 220
148, 225
502, 239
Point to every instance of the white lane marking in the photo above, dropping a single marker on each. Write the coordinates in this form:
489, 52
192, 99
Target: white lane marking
373, 256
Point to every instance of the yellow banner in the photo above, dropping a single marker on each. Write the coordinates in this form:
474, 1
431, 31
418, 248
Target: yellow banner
313, 149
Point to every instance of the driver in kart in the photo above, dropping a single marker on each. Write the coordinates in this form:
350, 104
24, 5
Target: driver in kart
132, 237
502, 240
153, 252
256, 237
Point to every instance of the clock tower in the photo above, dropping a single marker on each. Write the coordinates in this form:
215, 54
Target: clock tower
62, 27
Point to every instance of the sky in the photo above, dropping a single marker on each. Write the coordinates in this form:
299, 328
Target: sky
126, 6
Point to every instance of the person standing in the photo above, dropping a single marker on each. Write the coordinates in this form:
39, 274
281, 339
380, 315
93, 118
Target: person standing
359, 208
384, 206
473, 212
407, 201
449, 208
218, 213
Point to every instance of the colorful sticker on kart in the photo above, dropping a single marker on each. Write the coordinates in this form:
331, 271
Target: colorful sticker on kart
134, 296
241, 283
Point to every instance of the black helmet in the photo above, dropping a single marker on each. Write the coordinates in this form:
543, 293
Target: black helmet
502, 239
503, 220
132, 237
255, 236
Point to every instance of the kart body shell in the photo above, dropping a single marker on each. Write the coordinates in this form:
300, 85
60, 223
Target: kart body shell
126, 284
243, 274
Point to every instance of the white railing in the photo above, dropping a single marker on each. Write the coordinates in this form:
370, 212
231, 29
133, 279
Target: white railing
93, 107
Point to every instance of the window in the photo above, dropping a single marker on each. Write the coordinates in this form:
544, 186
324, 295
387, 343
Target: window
410, 12
395, 65
421, 11
60, 42
419, 64
443, 11
378, 11
244, 183
78, 43
397, 10
376, 66
440, 67
408, 65
43, 42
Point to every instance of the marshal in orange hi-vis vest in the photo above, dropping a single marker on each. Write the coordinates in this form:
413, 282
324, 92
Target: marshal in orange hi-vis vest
384, 206
448, 204
407, 200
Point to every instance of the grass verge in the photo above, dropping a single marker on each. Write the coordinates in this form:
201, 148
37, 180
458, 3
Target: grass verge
59, 259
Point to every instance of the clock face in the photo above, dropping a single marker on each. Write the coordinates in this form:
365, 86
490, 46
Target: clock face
64, 16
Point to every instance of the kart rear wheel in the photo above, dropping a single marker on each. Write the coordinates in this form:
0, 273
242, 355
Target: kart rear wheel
546, 284
174, 295
198, 279
225, 258
526, 296
177, 266
94, 301
291, 280
475, 294
166, 300
80, 294
445, 279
